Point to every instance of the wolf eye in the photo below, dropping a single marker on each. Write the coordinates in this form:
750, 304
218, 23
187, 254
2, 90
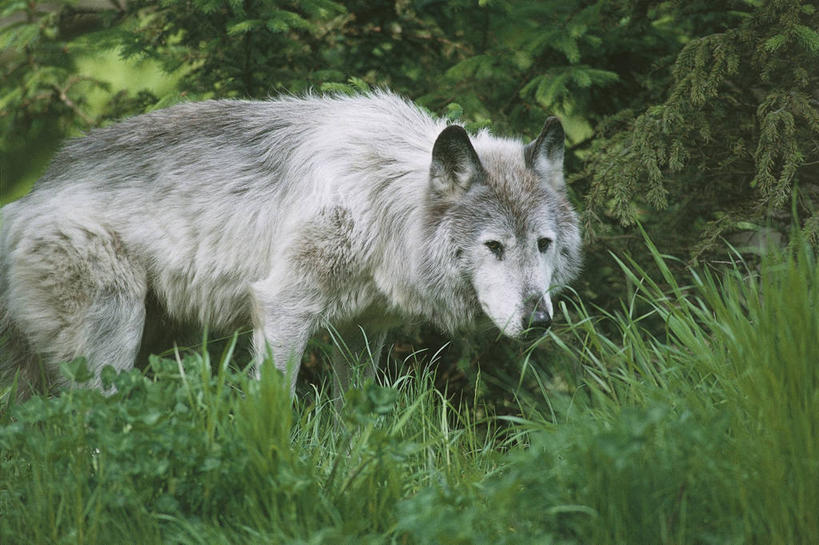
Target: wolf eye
495, 247
543, 244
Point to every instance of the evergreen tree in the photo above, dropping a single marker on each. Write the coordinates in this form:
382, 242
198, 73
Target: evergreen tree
733, 144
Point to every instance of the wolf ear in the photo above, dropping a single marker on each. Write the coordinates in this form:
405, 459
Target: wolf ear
455, 164
545, 154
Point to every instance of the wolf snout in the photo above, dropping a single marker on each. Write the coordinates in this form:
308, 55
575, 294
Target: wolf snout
539, 319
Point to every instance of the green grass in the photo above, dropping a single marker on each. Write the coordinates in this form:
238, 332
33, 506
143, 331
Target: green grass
692, 416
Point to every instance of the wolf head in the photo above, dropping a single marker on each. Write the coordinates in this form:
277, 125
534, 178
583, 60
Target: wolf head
511, 231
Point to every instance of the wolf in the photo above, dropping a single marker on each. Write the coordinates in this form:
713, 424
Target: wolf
285, 216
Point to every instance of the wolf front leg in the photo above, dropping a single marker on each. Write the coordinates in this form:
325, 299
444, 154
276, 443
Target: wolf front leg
284, 318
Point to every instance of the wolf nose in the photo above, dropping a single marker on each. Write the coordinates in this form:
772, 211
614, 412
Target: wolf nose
539, 319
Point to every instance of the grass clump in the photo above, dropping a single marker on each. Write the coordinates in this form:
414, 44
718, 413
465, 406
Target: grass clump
187, 454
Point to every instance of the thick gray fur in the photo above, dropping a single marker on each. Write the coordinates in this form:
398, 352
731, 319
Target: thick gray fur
283, 215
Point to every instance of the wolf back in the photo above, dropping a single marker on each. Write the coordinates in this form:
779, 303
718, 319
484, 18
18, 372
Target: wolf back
284, 215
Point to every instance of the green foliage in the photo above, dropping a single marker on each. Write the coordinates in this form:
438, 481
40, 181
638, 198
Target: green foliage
511, 63
245, 49
735, 139
542, 57
702, 434
648, 476
40, 89
44, 94
199, 452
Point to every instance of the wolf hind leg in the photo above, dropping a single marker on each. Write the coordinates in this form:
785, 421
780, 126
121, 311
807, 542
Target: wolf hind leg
18, 361
113, 333
73, 290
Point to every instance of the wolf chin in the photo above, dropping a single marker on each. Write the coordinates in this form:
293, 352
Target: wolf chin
286, 216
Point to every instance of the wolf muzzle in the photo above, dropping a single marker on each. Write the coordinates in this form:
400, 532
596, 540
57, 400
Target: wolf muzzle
540, 319
537, 321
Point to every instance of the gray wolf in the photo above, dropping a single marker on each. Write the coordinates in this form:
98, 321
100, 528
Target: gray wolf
286, 216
